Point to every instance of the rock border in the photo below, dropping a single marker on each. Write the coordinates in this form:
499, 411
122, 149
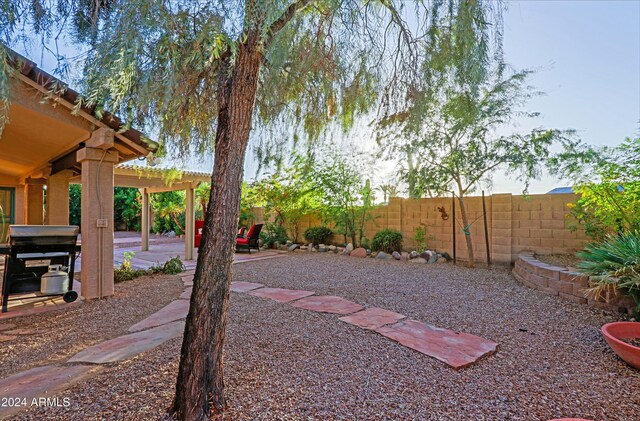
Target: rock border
561, 282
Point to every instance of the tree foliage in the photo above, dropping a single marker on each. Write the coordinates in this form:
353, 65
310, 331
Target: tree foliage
607, 180
346, 197
287, 196
451, 137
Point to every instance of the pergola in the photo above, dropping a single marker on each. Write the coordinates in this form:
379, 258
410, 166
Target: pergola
154, 180
47, 142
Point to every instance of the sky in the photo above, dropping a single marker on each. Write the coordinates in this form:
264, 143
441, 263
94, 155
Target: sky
587, 57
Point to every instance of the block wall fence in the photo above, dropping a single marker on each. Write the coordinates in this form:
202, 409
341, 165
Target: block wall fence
535, 223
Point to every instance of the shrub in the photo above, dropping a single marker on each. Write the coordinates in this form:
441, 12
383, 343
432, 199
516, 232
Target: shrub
172, 266
387, 240
125, 272
318, 235
273, 233
613, 264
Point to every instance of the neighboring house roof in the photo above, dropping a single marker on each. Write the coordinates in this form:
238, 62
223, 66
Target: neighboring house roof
561, 190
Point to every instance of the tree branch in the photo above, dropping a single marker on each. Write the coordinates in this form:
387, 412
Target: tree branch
285, 18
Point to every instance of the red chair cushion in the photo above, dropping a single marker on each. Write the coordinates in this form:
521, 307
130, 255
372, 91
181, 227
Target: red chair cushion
242, 241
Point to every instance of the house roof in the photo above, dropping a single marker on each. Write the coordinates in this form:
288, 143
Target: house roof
561, 190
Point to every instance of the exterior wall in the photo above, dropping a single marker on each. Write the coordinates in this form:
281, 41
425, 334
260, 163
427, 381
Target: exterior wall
535, 223
570, 286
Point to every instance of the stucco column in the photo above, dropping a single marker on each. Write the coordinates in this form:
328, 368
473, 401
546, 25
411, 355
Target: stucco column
145, 219
97, 162
189, 222
34, 206
58, 198
20, 216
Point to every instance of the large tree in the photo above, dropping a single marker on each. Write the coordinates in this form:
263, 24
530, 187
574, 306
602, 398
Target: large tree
454, 133
200, 74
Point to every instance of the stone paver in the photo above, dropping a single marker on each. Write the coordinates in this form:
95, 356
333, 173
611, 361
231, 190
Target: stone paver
188, 280
19, 332
328, 304
373, 318
6, 326
453, 348
280, 294
173, 311
40, 382
127, 346
242, 286
186, 294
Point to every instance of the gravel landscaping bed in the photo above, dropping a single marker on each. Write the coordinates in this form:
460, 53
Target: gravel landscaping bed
288, 363
60, 334
563, 260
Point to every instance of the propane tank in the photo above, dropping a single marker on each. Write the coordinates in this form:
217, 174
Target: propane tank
55, 281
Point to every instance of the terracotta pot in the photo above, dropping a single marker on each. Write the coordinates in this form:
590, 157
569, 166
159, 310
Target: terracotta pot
614, 332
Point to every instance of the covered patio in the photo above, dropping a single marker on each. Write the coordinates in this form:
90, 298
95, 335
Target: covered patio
48, 144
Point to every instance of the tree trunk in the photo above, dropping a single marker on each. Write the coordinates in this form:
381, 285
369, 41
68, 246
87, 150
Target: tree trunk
467, 237
200, 386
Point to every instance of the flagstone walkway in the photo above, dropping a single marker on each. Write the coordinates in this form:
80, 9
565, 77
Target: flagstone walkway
456, 349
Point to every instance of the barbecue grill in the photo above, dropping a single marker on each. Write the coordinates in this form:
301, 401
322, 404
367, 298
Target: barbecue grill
30, 252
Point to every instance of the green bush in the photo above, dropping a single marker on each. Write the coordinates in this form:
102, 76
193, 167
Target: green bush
387, 240
318, 235
125, 272
273, 233
613, 264
172, 266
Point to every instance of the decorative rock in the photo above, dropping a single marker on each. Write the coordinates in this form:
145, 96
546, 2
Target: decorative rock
293, 247
404, 256
304, 247
441, 260
418, 260
323, 249
383, 256
426, 255
414, 254
396, 255
4, 338
368, 252
359, 252
310, 247
289, 242
332, 248
433, 258
446, 256
348, 249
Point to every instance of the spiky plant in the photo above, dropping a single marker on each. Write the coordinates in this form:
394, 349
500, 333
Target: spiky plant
613, 264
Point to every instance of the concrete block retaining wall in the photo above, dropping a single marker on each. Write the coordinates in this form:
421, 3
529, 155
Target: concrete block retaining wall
559, 281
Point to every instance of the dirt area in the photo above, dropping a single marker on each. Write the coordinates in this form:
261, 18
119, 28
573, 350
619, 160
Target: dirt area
563, 260
287, 363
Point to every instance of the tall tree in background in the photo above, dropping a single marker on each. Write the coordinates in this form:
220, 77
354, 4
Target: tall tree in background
451, 137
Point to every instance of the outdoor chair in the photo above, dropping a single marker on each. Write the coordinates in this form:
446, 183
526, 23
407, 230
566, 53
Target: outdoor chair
199, 225
251, 240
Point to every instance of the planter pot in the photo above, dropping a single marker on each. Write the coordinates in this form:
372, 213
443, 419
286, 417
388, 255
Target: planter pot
615, 332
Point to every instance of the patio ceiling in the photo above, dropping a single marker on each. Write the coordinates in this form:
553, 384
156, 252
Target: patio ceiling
43, 134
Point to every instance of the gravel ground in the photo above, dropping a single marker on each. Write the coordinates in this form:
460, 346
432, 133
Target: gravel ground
60, 334
287, 363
